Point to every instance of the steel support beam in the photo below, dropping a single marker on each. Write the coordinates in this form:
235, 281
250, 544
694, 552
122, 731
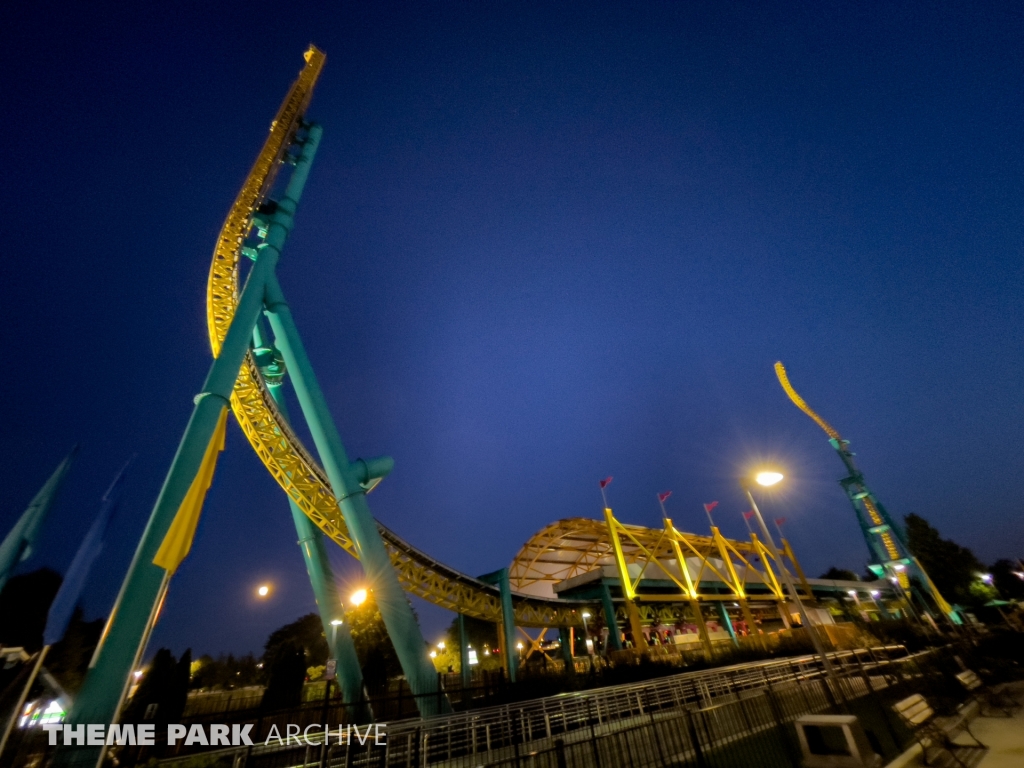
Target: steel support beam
723, 614
122, 644
508, 620
465, 672
344, 478
328, 601
565, 645
614, 638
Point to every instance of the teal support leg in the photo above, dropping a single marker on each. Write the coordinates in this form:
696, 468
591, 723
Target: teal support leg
344, 478
724, 615
123, 642
565, 644
508, 619
614, 638
328, 602
464, 669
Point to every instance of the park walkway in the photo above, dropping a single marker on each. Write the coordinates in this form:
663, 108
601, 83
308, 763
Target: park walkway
1004, 737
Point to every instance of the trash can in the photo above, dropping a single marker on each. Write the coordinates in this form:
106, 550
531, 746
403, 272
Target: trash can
835, 741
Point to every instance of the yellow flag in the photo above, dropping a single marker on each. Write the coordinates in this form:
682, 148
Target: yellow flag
178, 540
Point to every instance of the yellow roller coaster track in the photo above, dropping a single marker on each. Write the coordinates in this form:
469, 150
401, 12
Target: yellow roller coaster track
283, 454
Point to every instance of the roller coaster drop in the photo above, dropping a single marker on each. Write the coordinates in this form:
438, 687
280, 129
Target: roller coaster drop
329, 500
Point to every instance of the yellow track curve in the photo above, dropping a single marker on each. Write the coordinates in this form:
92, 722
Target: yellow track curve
283, 454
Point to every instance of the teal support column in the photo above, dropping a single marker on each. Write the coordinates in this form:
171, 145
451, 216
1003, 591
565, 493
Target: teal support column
328, 602
464, 669
724, 615
614, 638
565, 645
508, 619
123, 641
344, 478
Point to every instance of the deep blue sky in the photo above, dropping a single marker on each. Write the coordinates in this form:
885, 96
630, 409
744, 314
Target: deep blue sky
541, 244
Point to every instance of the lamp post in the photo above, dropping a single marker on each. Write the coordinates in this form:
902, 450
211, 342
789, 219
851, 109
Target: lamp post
768, 479
331, 668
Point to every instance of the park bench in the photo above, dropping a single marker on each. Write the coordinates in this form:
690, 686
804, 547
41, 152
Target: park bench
930, 730
987, 695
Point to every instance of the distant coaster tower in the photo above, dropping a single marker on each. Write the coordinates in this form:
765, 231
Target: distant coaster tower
886, 540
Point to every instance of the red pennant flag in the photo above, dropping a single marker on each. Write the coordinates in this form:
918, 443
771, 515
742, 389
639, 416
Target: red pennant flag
748, 515
709, 507
605, 482
663, 496
780, 520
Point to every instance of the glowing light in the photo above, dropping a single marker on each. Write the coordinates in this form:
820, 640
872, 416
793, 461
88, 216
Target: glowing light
875, 593
519, 646
851, 592
138, 673
433, 654
586, 614
336, 623
358, 597
899, 567
263, 590
768, 478
441, 645
985, 577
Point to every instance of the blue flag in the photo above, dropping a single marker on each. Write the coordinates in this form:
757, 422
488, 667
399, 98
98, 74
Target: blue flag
63, 604
17, 545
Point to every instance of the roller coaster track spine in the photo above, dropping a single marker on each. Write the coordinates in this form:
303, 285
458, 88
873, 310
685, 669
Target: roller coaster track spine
281, 451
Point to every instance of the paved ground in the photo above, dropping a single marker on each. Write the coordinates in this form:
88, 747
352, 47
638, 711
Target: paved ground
1004, 737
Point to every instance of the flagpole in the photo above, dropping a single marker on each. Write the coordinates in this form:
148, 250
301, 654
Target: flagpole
746, 522
661, 501
775, 522
154, 614
24, 695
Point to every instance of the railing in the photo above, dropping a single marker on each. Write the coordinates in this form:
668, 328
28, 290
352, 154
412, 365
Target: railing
498, 734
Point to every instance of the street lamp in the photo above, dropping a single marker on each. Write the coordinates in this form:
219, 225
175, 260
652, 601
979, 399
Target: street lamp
358, 597
768, 478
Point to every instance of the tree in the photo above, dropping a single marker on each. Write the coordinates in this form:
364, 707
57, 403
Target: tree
226, 672
839, 574
287, 674
24, 603
162, 692
69, 658
376, 653
1006, 579
953, 568
481, 635
306, 632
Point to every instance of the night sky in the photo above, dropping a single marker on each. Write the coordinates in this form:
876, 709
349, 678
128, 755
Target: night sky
542, 243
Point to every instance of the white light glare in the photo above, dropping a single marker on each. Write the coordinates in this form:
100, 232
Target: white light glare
768, 478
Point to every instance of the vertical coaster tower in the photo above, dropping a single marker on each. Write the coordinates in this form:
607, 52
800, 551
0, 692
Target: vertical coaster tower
257, 227
886, 540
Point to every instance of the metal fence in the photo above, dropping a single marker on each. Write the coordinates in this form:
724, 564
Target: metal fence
706, 719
